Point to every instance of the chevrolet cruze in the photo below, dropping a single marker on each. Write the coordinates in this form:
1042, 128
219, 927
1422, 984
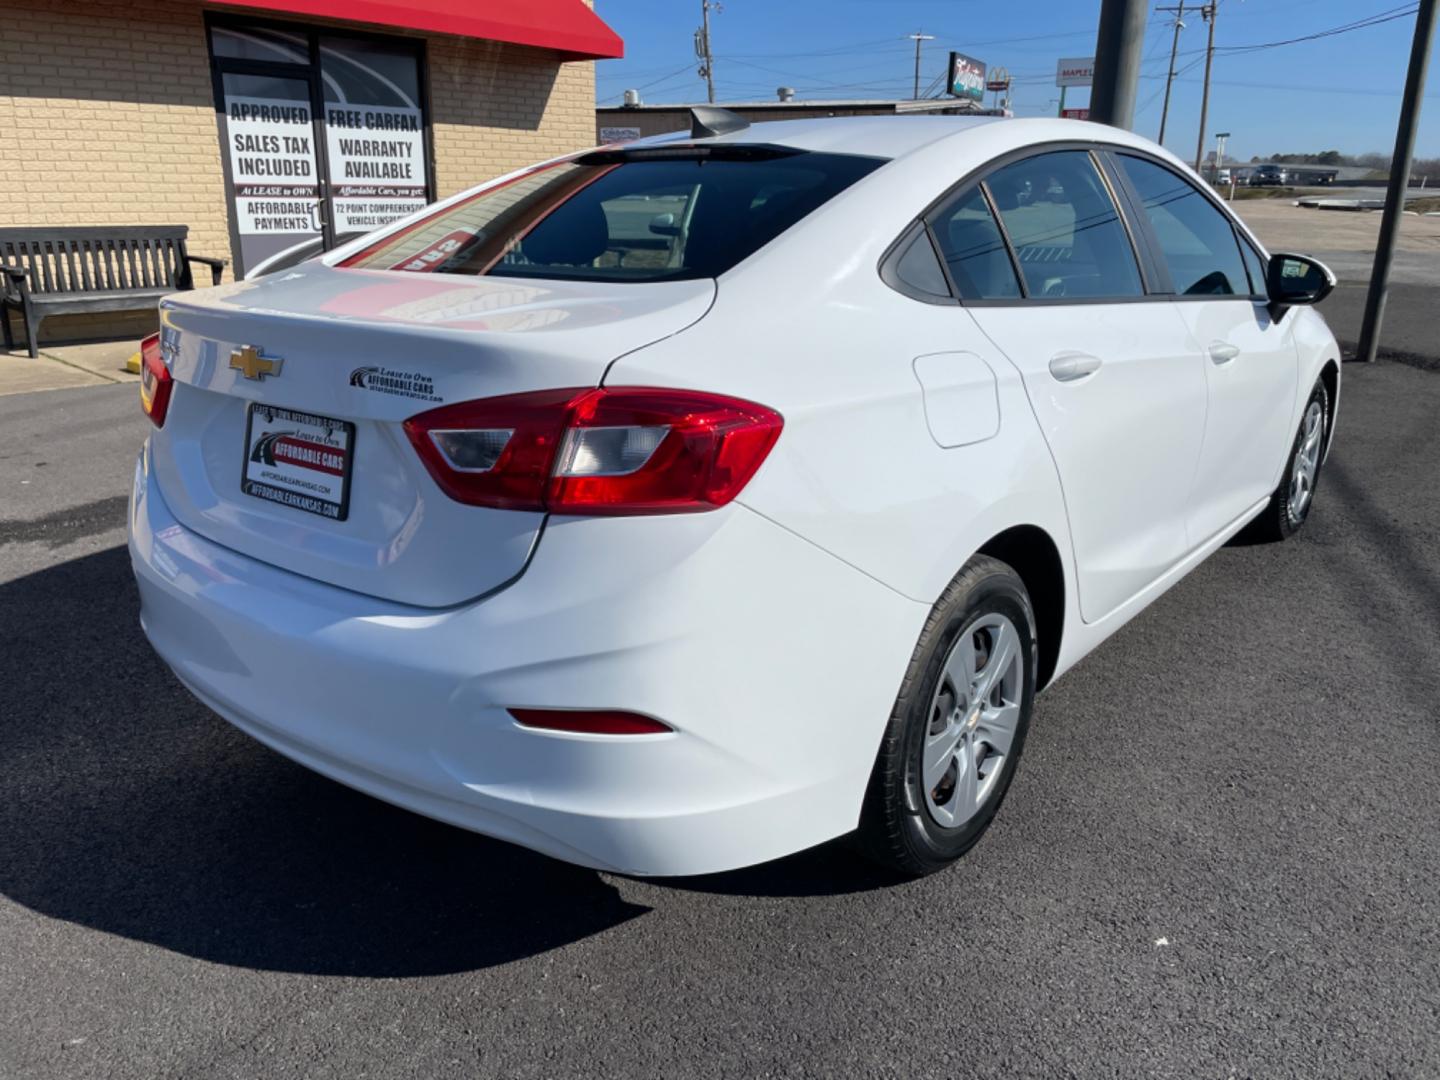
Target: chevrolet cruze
681, 504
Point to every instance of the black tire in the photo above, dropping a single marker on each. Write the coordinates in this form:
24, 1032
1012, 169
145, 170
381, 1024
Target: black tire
897, 828
1278, 521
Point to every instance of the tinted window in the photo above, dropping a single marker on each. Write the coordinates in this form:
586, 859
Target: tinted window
919, 268
1064, 228
973, 249
1256, 267
624, 216
1197, 240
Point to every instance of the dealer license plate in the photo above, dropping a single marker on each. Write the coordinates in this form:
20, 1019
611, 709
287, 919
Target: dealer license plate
299, 460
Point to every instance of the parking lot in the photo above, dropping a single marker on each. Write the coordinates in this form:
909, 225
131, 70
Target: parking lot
1220, 857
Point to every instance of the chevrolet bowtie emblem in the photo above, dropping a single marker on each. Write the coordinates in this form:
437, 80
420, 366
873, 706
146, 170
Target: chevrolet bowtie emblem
248, 361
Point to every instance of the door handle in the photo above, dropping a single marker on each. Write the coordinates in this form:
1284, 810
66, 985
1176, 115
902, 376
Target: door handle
1069, 366
1222, 352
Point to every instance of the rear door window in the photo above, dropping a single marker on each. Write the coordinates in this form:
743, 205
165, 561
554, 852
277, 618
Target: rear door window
1064, 228
1197, 241
638, 215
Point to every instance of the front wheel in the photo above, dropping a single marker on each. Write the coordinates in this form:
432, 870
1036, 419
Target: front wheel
958, 727
1292, 499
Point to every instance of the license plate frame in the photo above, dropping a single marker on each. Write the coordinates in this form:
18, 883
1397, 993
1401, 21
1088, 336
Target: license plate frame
298, 459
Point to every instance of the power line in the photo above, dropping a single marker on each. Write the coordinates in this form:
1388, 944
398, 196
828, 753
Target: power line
1359, 24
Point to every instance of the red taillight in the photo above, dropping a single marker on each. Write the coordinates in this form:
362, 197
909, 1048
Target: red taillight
629, 450
155, 381
590, 722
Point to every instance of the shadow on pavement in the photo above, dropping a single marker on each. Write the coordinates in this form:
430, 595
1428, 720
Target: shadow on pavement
127, 807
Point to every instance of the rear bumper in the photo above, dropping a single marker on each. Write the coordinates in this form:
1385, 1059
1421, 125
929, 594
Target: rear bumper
776, 664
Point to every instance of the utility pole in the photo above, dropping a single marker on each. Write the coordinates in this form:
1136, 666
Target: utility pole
1118, 45
1179, 10
918, 37
1208, 11
1399, 179
702, 48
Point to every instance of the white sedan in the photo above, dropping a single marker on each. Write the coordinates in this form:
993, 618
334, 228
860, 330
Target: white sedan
678, 505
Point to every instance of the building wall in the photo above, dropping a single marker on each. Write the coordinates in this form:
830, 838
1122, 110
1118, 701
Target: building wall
107, 117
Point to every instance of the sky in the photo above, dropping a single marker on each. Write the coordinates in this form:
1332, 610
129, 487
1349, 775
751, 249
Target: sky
1340, 92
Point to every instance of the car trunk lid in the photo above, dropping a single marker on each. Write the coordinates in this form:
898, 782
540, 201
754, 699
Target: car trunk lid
300, 383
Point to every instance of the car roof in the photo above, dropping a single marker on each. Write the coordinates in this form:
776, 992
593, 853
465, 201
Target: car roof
875, 136
897, 136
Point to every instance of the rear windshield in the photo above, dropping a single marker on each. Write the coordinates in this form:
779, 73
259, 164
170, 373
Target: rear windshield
624, 216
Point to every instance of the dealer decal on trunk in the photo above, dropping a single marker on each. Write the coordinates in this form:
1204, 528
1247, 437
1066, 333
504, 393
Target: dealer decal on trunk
385, 380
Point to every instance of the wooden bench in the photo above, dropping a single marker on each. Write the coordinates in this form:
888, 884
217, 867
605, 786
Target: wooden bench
46, 271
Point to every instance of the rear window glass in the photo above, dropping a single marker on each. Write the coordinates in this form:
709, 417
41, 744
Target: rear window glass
624, 216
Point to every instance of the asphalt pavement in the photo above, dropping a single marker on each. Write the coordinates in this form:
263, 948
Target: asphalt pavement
1220, 857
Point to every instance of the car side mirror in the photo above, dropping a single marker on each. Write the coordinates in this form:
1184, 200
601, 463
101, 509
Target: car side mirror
1296, 280
664, 225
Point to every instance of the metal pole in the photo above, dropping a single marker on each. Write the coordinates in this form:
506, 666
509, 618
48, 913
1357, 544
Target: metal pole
918, 38
709, 59
1061, 111
1399, 179
1209, 12
1179, 10
1118, 45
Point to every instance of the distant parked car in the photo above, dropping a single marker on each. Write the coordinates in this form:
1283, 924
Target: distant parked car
1268, 176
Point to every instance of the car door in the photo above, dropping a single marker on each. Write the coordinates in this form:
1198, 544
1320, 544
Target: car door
1249, 357
1046, 266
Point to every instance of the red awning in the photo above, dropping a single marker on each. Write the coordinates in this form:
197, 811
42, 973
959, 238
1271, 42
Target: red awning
567, 26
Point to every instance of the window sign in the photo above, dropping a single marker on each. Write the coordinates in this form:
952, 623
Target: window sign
270, 141
377, 164
374, 132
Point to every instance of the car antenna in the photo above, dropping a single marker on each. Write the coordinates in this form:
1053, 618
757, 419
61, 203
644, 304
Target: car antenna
708, 120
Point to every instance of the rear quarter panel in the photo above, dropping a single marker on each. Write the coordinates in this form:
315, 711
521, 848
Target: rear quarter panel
807, 327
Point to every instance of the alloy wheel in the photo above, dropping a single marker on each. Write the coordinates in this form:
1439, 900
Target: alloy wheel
1306, 464
973, 719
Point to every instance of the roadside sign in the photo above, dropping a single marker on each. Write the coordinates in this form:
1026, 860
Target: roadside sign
1075, 71
1075, 114
618, 134
967, 77
998, 79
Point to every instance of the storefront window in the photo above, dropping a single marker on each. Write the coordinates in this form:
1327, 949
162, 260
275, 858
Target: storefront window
260, 43
325, 138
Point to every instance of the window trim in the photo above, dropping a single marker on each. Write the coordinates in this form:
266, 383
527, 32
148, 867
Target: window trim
1143, 243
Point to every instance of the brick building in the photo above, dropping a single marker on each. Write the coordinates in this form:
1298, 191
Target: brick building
266, 125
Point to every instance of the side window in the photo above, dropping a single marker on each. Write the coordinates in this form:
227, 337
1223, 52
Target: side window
918, 269
1064, 227
973, 249
1256, 267
1197, 240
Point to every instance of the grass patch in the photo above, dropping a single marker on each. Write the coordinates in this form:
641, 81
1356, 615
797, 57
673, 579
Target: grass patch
1247, 193
1424, 206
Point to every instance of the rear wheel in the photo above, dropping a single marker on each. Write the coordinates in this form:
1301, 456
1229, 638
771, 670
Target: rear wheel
958, 727
1292, 499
